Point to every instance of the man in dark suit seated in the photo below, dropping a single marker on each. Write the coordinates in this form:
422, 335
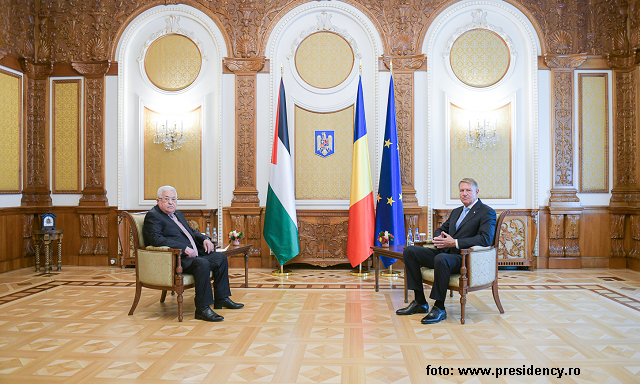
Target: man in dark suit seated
469, 225
165, 226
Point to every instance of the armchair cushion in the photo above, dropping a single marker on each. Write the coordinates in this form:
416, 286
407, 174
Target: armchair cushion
155, 268
481, 269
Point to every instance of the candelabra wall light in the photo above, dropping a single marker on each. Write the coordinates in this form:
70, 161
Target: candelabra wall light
171, 137
482, 134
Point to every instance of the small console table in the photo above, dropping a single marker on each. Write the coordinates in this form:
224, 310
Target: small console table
47, 237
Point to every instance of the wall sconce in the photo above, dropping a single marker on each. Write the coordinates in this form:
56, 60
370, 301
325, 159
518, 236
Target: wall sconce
171, 137
482, 135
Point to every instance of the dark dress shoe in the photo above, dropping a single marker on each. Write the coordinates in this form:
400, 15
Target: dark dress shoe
412, 308
435, 316
227, 303
207, 314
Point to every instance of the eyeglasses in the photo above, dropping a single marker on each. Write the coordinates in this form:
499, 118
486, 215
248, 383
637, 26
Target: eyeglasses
168, 199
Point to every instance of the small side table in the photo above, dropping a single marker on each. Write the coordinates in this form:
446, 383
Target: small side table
47, 237
240, 250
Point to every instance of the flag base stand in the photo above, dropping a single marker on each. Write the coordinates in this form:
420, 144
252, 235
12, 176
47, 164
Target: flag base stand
390, 272
281, 272
360, 272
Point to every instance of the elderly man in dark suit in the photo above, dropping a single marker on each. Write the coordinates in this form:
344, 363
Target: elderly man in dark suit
472, 224
166, 226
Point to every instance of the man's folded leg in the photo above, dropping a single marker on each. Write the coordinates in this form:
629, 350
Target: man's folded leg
220, 271
200, 268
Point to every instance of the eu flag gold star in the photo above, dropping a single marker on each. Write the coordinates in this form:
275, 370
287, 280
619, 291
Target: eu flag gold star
387, 143
378, 198
390, 201
401, 196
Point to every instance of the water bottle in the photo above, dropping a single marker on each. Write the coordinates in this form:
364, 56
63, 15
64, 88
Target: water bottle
208, 233
409, 237
215, 234
416, 237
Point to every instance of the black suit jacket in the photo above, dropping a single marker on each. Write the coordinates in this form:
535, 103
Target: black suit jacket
159, 230
477, 228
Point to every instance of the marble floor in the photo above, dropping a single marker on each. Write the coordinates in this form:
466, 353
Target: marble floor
319, 326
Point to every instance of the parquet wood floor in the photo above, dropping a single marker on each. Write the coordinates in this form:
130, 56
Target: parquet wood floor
318, 326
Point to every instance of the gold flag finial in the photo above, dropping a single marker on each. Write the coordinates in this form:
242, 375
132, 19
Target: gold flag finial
391, 67
360, 67
281, 69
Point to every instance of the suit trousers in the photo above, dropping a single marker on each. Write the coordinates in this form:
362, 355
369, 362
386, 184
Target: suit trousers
200, 267
443, 264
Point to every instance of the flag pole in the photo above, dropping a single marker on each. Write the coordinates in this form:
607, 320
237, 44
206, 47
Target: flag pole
360, 272
282, 272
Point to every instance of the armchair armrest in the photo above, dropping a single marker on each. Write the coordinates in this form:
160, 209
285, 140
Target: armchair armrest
158, 266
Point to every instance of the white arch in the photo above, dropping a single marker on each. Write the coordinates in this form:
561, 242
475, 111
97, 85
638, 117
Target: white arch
125, 47
277, 50
532, 48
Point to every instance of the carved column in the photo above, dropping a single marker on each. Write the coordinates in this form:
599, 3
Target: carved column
564, 204
94, 193
245, 206
625, 195
36, 190
403, 70
245, 193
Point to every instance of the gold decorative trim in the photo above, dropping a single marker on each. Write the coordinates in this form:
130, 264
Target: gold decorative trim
20, 117
55, 129
582, 76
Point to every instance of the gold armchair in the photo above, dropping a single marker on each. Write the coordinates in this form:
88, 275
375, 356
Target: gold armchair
156, 267
479, 270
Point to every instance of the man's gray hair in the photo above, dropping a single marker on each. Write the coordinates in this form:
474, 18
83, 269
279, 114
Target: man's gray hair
469, 180
166, 188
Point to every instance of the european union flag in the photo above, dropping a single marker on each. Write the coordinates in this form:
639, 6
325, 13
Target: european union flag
389, 211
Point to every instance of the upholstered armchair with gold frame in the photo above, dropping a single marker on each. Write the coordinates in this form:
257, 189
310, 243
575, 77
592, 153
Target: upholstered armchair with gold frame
156, 267
479, 270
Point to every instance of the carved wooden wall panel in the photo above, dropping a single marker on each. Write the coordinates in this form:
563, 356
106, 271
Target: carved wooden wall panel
87, 234
617, 235
323, 238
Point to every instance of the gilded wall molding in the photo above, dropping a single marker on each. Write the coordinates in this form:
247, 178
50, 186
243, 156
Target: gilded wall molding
562, 127
172, 27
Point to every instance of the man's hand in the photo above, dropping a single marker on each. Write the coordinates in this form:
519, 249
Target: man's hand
444, 241
208, 246
191, 252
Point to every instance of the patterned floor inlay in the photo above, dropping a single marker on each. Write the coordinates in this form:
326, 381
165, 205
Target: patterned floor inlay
74, 328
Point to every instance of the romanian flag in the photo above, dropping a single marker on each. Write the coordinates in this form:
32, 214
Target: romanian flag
361, 215
389, 210
280, 220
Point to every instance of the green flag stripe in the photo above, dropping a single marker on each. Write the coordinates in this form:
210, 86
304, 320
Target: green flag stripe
280, 232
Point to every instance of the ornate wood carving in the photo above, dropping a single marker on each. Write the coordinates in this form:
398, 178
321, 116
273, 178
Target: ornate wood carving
411, 62
635, 235
565, 61
556, 235
102, 234
571, 234
27, 232
245, 193
512, 239
626, 83
323, 243
562, 127
86, 234
403, 84
36, 178
93, 193
616, 232
244, 65
254, 234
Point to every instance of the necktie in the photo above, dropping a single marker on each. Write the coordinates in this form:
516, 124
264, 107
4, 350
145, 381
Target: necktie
464, 213
184, 230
